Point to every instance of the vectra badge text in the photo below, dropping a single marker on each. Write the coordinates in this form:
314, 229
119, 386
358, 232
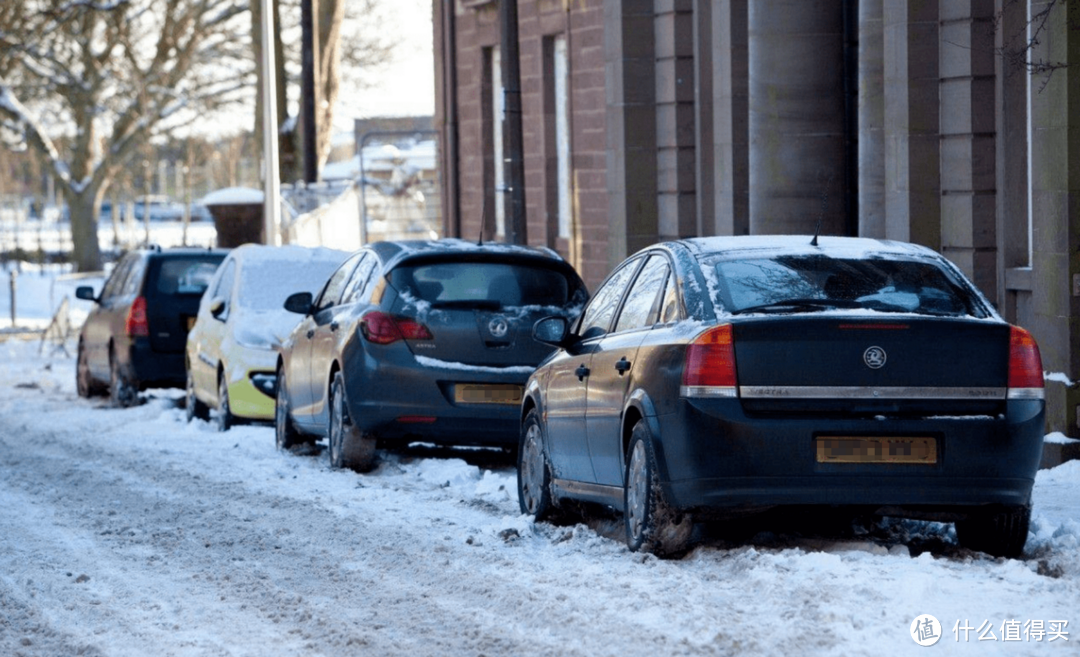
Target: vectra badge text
498, 327
874, 357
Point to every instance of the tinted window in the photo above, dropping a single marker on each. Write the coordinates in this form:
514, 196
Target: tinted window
894, 285
597, 317
115, 284
494, 284
669, 305
332, 292
638, 311
185, 276
359, 283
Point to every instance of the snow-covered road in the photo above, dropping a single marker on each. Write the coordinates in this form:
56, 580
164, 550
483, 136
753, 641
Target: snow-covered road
129, 532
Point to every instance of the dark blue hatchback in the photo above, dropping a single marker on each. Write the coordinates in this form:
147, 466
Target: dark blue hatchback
715, 376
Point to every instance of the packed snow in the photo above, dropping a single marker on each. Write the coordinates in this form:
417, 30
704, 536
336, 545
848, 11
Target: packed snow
130, 532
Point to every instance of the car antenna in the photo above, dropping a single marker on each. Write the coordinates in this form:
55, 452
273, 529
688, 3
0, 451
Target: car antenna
821, 216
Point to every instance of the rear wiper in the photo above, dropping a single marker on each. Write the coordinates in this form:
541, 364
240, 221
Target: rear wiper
788, 305
479, 304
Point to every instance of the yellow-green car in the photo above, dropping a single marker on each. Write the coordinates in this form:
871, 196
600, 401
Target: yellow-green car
231, 352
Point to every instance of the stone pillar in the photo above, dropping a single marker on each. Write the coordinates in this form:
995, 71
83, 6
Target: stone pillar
871, 119
731, 117
1055, 211
796, 110
968, 148
704, 134
675, 119
630, 77
912, 163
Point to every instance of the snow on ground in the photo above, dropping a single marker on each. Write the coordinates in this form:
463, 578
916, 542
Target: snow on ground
129, 532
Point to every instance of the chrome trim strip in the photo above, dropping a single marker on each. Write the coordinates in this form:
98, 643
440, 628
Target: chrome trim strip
1026, 393
708, 391
869, 392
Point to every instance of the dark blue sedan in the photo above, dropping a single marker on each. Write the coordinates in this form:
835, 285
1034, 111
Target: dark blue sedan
715, 376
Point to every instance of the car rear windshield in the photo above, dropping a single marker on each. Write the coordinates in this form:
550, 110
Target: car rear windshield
265, 284
800, 283
492, 284
186, 275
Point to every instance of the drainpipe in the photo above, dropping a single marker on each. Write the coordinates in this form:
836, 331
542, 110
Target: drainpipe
512, 134
851, 116
452, 222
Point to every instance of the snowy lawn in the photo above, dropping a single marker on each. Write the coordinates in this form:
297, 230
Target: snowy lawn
129, 532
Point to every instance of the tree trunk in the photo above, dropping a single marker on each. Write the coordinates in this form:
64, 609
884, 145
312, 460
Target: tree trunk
86, 252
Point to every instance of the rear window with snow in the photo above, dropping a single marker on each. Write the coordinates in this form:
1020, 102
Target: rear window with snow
495, 284
265, 284
801, 283
186, 276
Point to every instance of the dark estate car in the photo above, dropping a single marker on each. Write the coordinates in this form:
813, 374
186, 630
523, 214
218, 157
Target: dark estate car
715, 376
134, 338
419, 340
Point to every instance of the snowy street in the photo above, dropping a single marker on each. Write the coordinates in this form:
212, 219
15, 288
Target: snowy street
130, 532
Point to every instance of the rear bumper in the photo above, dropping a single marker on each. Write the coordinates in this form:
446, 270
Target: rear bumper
155, 369
399, 399
712, 456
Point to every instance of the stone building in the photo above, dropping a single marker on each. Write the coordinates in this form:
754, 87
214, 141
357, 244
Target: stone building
914, 120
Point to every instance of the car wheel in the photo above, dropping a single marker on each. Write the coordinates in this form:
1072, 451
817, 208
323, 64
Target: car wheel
651, 524
534, 471
121, 391
193, 408
223, 416
1001, 532
285, 434
349, 447
84, 382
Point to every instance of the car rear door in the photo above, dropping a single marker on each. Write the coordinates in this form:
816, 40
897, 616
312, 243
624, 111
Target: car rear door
99, 324
614, 369
321, 341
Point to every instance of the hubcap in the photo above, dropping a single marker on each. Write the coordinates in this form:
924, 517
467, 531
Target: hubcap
281, 415
637, 491
335, 426
532, 464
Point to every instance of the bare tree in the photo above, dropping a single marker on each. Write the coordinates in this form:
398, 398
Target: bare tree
88, 83
1020, 47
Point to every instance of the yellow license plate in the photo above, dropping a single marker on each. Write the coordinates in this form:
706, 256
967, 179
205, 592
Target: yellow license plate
488, 393
861, 449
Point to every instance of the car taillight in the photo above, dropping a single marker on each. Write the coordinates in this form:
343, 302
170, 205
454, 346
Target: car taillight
710, 364
136, 324
1025, 366
383, 328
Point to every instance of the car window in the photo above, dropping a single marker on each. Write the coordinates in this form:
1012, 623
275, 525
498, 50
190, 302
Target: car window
181, 276
265, 284
223, 289
640, 307
494, 284
669, 304
332, 291
359, 281
817, 281
597, 316
133, 280
115, 284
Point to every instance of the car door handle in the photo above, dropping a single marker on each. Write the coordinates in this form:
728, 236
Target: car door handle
622, 365
334, 326
310, 333
581, 372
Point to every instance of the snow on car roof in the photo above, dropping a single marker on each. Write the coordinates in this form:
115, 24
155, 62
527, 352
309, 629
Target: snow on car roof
233, 196
850, 247
292, 252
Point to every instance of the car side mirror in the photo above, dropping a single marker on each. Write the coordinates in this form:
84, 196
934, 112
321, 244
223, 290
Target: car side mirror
554, 331
217, 308
86, 293
299, 302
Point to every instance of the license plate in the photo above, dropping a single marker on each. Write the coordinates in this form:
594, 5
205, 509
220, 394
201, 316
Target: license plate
190, 322
488, 393
862, 449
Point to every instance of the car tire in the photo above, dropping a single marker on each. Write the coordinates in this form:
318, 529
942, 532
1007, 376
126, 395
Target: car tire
349, 446
651, 524
193, 408
85, 384
223, 416
534, 471
285, 434
1001, 532
122, 392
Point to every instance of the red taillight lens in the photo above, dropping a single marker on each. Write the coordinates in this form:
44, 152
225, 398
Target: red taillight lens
710, 363
136, 324
383, 328
1025, 363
